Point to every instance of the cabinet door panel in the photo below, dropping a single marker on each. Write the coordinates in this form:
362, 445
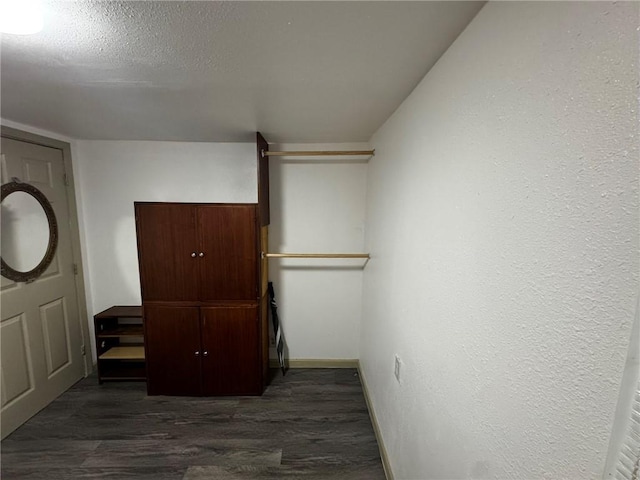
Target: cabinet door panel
172, 338
166, 241
230, 336
229, 243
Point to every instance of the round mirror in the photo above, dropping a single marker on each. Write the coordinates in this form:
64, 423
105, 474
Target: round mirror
29, 234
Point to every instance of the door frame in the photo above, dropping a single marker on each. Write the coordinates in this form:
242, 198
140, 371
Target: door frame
65, 148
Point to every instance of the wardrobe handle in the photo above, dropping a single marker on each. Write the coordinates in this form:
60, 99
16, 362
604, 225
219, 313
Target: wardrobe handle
201, 254
205, 353
193, 254
197, 352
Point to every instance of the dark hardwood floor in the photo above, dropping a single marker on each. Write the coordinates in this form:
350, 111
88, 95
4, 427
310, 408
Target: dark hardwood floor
311, 424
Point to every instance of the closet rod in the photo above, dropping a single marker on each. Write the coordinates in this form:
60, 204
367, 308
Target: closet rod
315, 255
317, 154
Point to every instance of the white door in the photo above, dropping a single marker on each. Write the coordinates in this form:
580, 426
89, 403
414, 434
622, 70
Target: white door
41, 347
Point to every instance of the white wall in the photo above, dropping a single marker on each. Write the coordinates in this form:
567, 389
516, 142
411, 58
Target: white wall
112, 175
629, 386
502, 218
317, 206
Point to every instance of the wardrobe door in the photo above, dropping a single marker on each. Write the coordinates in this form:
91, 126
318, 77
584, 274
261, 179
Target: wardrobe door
228, 252
230, 365
167, 251
172, 342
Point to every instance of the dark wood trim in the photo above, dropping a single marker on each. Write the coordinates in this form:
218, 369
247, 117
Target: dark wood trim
221, 303
264, 340
263, 181
196, 204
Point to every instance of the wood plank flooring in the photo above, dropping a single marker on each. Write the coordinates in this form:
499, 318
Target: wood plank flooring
312, 424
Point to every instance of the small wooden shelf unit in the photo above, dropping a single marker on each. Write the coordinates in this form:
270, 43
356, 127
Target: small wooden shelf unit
120, 344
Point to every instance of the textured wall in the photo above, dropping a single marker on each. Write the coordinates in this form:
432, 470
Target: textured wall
317, 206
502, 217
113, 175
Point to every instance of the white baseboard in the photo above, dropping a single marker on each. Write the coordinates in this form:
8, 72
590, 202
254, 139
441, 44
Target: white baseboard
317, 363
376, 428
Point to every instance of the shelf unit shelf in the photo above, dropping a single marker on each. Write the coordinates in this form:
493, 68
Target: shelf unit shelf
123, 331
133, 352
120, 344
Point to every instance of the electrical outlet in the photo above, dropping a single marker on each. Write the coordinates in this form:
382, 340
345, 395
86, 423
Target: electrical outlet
396, 370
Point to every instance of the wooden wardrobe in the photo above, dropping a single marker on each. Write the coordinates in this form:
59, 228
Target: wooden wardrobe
204, 308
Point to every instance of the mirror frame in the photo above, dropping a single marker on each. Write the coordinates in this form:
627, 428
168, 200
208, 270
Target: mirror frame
31, 275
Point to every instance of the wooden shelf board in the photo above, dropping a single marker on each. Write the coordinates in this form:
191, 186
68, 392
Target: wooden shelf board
133, 352
123, 331
122, 311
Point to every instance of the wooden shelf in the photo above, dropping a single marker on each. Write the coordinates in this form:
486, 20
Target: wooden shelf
120, 341
133, 352
121, 311
122, 330
123, 370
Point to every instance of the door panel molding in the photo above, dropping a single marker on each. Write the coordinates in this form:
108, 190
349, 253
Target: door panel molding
55, 328
14, 337
38, 172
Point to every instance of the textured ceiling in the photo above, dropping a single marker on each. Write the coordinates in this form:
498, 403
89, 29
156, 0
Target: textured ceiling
219, 71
